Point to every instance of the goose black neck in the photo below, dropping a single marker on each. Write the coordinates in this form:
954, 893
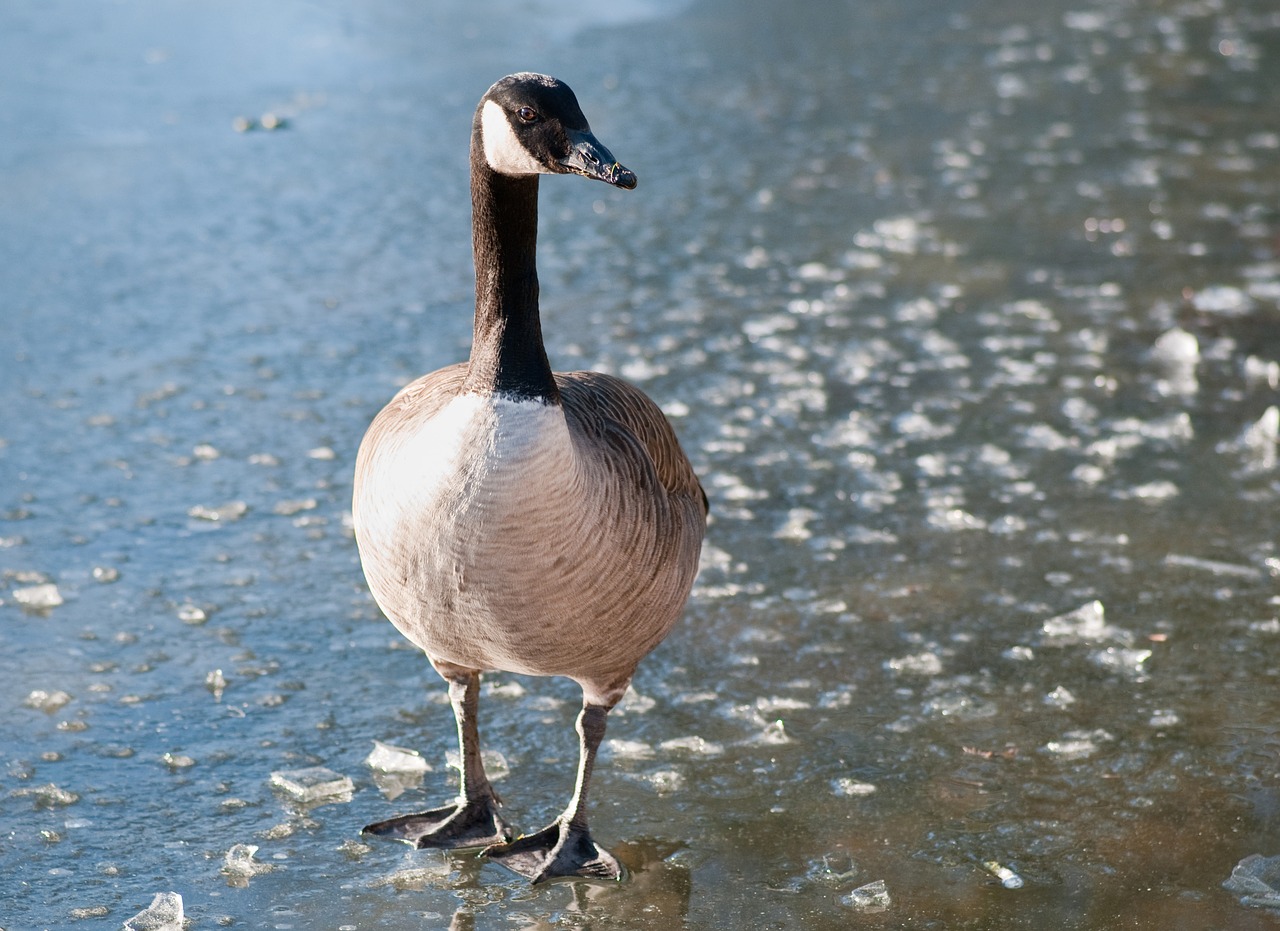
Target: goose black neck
507, 354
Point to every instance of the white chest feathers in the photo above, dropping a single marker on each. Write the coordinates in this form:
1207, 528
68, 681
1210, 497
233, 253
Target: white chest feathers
502, 149
476, 456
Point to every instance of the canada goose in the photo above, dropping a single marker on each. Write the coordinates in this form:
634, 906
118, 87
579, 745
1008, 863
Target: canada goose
516, 519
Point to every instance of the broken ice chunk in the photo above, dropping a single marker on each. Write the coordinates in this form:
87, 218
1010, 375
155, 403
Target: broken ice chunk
1085, 624
387, 758
873, 897
1177, 352
41, 596
629, 749
163, 914
48, 795
291, 507
1078, 744
314, 784
232, 510
192, 614
1060, 697
694, 744
495, 764
796, 528
1008, 878
48, 702
1260, 439
177, 761
1268, 371
919, 664
239, 863
851, 788
1222, 299
1258, 879
1121, 659
1214, 566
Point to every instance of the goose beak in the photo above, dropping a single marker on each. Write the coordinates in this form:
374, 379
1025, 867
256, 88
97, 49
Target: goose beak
587, 157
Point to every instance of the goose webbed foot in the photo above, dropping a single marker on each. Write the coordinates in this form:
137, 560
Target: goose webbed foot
559, 850
464, 824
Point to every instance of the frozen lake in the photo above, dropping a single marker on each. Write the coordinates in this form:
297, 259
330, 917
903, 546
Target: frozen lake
966, 314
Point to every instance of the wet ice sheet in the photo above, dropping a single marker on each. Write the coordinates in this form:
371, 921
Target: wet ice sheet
965, 316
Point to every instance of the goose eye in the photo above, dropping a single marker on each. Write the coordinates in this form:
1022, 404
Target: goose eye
527, 114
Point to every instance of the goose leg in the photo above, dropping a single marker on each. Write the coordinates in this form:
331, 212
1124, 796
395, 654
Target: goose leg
565, 847
473, 820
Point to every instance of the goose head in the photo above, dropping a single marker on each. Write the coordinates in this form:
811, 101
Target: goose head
531, 124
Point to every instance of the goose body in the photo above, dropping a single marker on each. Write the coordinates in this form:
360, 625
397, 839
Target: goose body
521, 531
511, 518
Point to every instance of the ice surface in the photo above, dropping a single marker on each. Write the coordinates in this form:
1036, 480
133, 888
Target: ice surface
388, 758
163, 914
1257, 878
873, 897
314, 784
45, 595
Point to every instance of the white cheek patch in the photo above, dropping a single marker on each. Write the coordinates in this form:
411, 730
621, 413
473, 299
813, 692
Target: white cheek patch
502, 150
